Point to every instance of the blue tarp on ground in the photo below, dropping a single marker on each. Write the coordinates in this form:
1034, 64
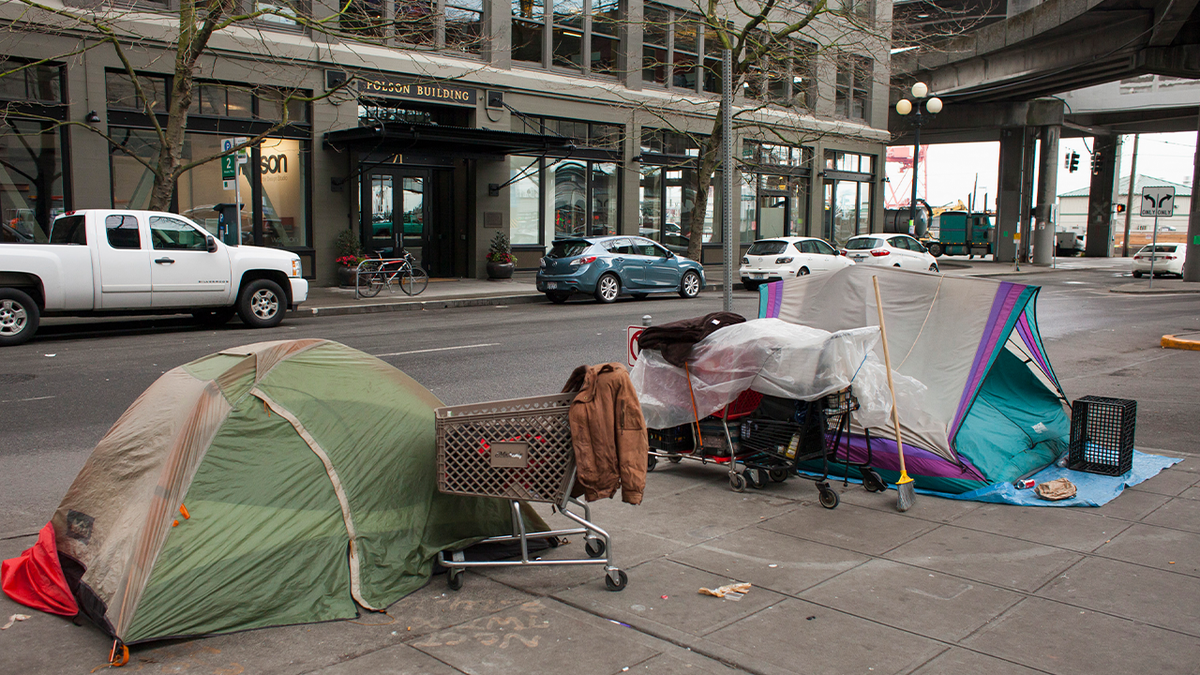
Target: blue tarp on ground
1091, 489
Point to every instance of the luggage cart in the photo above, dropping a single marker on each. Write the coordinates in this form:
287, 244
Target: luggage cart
520, 450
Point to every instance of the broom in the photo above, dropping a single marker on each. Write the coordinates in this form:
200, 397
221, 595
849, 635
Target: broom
908, 494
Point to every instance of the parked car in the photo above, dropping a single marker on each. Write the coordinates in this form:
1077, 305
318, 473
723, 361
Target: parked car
109, 262
896, 250
606, 267
787, 257
1167, 258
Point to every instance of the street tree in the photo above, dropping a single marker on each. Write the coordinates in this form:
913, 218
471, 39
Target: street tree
139, 38
774, 48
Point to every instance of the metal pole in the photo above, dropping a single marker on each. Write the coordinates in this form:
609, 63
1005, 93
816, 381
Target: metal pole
237, 197
1153, 247
912, 205
1129, 197
727, 172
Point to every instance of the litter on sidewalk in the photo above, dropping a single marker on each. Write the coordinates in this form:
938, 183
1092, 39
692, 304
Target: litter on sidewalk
728, 591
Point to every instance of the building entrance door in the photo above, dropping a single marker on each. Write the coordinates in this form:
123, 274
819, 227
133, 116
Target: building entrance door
400, 210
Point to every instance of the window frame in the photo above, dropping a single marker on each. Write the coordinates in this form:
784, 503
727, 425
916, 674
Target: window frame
549, 26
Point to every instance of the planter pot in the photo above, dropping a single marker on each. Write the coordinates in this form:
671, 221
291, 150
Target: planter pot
345, 275
500, 270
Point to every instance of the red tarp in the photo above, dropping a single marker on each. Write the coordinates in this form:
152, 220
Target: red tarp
35, 578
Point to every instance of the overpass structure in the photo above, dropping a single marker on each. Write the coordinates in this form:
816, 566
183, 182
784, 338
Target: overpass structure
1097, 68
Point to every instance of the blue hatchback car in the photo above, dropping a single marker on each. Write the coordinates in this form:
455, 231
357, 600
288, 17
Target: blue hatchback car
606, 267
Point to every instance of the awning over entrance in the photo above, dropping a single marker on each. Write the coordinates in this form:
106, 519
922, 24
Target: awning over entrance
398, 137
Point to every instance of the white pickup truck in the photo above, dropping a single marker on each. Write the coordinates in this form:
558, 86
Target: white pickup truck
107, 262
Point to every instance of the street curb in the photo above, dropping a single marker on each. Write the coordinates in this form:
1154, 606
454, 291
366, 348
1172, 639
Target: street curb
418, 305
1154, 291
1172, 342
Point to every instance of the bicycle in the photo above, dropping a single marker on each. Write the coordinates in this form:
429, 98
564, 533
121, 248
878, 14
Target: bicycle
374, 274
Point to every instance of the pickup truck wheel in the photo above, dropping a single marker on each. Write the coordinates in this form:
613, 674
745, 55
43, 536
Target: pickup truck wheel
262, 304
19, 317
213, 317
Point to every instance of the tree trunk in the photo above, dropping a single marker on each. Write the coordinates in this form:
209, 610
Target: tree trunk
704, 176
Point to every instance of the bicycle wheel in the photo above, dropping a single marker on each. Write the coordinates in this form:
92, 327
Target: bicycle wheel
413, 281
370, 280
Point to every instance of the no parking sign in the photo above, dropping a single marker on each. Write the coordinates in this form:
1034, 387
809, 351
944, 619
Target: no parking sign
632, 350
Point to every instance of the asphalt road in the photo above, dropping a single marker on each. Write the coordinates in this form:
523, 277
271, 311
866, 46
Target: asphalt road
61, 392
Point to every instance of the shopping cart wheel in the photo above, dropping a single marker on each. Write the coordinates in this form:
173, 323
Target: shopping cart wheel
778, 475
594, 547
757, 478
454, 579
675, 459
872, 481
737, 483
651, 462
619, 583
827, 497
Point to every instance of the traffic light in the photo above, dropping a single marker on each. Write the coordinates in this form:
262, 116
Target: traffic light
1097, 159
1120, 208
1072, 162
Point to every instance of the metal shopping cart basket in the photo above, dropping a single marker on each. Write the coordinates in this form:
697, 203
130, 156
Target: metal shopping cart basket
520, 450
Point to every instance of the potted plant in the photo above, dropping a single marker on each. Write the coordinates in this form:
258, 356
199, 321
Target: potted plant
500, 259
349, 255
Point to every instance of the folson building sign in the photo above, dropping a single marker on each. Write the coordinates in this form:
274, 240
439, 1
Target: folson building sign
434, 92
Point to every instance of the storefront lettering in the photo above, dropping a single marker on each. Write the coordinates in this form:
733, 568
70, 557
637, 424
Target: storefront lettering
428, 92
273, 164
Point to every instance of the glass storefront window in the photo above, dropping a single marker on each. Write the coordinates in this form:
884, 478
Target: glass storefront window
604, 198
31, 187
749, 202
524, 214
279, 169
131, 180
570, 198
201, 188
282, 170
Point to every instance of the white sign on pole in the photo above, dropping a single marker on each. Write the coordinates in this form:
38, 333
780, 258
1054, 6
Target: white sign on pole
243, 155
227, 185
632, 349
1158, 202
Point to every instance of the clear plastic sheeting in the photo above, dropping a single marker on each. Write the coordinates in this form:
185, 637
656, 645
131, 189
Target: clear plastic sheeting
777, 358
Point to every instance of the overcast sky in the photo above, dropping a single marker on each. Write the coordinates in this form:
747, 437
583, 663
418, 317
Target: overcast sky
952, 169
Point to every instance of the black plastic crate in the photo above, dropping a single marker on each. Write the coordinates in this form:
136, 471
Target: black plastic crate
1102, 435
673, 439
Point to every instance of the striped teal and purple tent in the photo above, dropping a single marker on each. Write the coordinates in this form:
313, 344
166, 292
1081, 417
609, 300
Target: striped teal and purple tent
994, 410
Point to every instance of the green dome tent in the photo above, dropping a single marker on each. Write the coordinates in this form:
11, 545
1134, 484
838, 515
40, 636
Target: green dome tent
278, 483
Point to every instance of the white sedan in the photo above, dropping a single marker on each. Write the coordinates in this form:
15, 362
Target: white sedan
890, 250
787, 257
1167, 258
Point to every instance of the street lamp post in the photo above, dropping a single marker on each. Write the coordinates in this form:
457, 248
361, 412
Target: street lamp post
932, 106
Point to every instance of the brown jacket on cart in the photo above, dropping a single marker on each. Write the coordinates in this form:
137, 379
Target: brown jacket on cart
608, 432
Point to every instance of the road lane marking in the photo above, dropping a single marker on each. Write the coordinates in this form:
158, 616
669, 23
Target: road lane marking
25, 400
437, 349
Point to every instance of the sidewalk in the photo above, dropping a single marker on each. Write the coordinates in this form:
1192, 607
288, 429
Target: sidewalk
947, 587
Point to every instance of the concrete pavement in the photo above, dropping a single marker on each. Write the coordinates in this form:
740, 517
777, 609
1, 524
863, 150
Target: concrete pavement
947, 587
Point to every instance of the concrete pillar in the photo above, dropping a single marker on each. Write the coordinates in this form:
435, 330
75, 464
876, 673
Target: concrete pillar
1008, 201
1191, 266
1106, 154
1028, 155
1047, 196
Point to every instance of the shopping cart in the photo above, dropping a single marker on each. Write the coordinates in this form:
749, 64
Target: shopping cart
767, 439
810, 437
519, 450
